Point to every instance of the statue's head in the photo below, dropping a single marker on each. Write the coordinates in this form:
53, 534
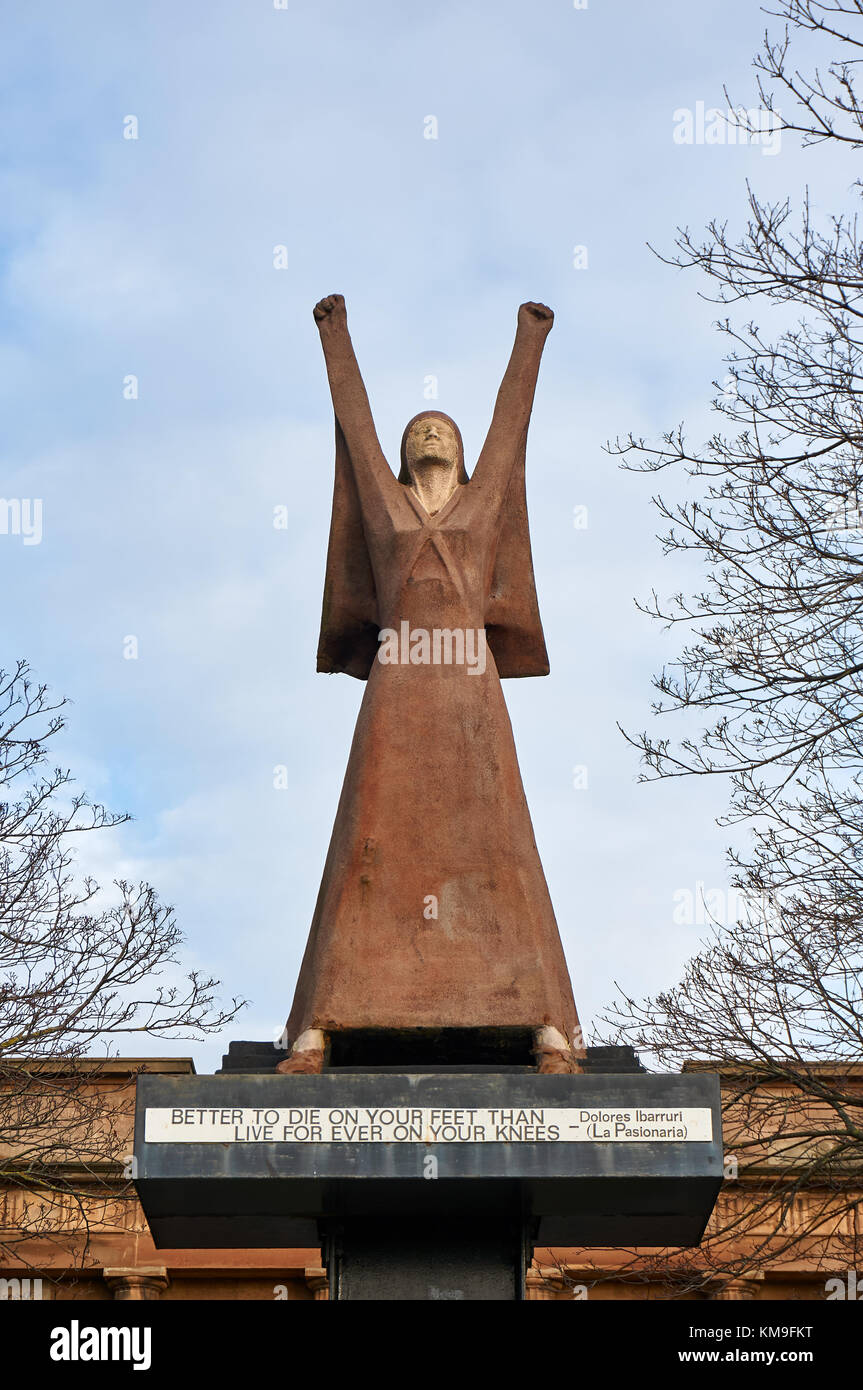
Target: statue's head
432, 437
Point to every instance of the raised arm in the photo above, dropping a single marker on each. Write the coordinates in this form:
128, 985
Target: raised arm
350, 402
514, 399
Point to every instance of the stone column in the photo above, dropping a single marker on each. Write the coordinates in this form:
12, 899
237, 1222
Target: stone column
543, 1283
319, 1282
744, 1287
147, 1281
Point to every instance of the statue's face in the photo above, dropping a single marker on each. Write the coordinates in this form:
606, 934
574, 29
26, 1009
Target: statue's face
431, 440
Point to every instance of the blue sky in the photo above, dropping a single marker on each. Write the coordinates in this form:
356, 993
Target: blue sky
304, 128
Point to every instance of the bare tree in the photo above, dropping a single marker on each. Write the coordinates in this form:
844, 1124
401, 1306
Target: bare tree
772, 658
79, 968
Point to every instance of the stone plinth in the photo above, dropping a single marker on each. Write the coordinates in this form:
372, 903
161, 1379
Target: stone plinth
259, 1160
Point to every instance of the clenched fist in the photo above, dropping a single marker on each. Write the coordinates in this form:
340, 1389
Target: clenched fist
330, 308
536, 315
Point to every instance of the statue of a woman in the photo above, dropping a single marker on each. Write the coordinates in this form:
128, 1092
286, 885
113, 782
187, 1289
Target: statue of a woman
433, 912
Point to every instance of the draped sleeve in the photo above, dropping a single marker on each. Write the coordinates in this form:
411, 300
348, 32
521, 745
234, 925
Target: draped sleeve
513, 624
349, 618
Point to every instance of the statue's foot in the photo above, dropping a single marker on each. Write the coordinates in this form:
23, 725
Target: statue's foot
307, 1054
554, 1056
309, 1062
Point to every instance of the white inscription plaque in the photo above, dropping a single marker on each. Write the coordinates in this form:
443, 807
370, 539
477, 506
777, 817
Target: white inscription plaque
422, 1125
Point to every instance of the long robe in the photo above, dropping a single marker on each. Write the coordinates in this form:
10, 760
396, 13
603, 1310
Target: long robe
433, 909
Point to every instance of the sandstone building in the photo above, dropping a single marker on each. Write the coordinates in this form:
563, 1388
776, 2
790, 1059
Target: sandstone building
75, 1231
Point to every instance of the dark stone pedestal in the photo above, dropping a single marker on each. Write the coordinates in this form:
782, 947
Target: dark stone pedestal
426, 1185
432, 1258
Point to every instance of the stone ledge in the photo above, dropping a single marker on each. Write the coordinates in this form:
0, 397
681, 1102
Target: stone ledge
246, 1187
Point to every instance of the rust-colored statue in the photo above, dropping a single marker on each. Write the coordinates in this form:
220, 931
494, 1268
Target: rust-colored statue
433, 912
